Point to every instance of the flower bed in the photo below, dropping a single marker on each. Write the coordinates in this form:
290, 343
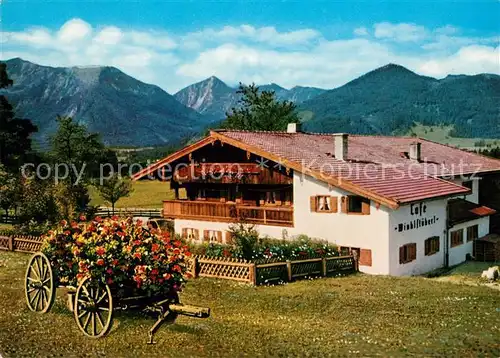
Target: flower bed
121, 253
247, 245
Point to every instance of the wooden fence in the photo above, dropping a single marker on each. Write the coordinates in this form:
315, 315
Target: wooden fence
9, 219
273, 272
229, 268
108, 212
21, 243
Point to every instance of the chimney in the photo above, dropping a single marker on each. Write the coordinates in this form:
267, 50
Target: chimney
415, 151
294, 127
341, 146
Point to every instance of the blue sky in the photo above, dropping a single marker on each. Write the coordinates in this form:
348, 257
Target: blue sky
316, 43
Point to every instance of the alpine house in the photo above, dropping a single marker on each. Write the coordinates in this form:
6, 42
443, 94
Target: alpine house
405, 205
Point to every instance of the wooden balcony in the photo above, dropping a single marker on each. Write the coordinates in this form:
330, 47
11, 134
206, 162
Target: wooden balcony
228, 212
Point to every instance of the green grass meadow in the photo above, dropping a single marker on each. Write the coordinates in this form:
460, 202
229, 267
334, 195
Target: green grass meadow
358, 315
146, 194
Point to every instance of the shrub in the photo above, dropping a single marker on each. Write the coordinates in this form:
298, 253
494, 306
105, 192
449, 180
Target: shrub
120, 253
249, 246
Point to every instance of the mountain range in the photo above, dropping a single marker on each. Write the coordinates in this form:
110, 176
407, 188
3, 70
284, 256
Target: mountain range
123, 110
390, 99
215, 98
387, 100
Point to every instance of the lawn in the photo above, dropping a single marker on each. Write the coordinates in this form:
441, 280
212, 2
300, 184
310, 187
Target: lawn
360, 314
441, 134
146, 194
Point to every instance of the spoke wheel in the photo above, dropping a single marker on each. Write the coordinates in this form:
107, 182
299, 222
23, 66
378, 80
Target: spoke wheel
39, 284
93, 308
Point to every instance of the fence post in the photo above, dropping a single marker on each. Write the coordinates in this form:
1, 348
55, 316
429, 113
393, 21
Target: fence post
252, 274
356, 260
194, 267
11, 243
289, 270
323, 266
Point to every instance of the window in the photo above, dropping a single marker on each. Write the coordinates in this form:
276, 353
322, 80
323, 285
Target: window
457, 238
191, 234
212, 236
431, 245
324, 204
407, 253
354, 204
472, 233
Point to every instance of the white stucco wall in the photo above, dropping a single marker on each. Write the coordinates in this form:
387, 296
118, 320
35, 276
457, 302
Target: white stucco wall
434, 211
362, 231
458, 253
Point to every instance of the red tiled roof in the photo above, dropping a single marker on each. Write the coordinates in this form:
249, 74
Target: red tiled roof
377, 166
461, 210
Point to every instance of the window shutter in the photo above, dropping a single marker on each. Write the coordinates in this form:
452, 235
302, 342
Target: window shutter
206, 235
219, 237
344, 204
334, 202
312, 201
413, 251
196, 234
184, 233
365, 257
229, 238
401, 254
427, 244
365, 207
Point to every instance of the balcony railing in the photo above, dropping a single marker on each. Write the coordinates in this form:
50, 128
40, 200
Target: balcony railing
228, 212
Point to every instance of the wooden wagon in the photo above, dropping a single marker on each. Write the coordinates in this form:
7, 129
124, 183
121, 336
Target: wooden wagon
93, 303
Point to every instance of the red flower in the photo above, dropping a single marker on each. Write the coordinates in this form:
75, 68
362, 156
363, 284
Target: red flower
98, 219
63, 223
154, 272
176, 268
137, 242
79, 276
187, 253
155, 247
74, 224
137, 255
100, 250
100, 262
115, 262
109, 271
177, 243
156, 257
109, 281
83, 218
114, 217
167, 276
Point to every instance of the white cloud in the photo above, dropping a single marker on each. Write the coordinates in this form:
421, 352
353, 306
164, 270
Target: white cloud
361, 31
74, 30
268, 35
468, 60
402, 32
255, 54
109, 35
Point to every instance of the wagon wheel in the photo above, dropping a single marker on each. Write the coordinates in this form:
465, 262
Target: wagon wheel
93, 308
39, 284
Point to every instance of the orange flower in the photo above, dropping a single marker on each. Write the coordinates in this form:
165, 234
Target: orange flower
167, 276
100, 262
100, 250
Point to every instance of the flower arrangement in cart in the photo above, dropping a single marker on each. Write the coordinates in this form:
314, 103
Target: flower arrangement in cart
119, 252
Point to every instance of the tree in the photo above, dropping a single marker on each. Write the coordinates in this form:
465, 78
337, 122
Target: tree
260, 110
73, 145
10, 190
15, 141
113, 189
